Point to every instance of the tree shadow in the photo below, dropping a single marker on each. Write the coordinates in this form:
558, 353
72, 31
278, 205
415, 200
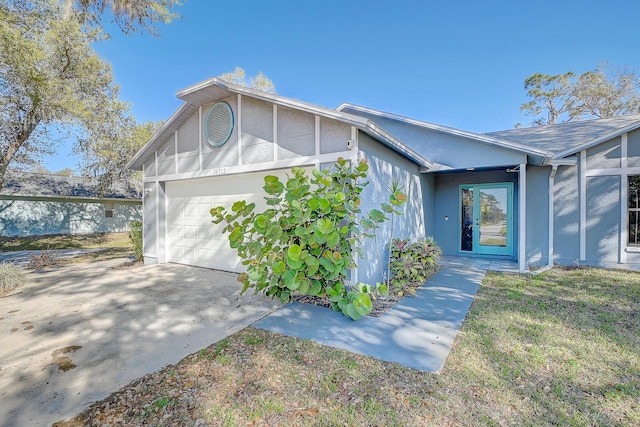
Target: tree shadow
125, 323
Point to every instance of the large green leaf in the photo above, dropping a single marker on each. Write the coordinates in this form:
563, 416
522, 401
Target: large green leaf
304, 286
324, 205
272, 185
352, 312
260, 222
327, 264
294, 252
324, 226
295, 264
290, 280
312, 265
278, 268
255, 274
362, 303
333, 239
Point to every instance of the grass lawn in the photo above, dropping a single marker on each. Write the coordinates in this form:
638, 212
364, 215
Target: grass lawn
559, 348
114, 245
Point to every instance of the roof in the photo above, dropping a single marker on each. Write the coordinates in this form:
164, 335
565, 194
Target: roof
484, 138
540, 143
26, 184
215, 89
570, 137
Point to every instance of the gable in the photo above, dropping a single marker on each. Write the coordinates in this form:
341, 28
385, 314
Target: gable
272, 128
450, 151
262, 133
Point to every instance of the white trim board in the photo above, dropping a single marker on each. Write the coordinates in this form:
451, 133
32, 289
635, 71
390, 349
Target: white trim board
522, 211
257, 167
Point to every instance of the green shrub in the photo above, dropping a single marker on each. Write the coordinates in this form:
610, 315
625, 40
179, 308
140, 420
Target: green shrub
412, 264
135, 235
11, 277
304, 242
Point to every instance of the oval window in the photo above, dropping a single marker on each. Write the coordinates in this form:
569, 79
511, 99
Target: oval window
218, 124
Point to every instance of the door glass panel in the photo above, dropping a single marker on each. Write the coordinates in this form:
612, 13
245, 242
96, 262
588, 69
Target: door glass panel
466, 215
493, 217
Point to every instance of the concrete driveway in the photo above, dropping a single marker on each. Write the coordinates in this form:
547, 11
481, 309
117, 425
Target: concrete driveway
77, 333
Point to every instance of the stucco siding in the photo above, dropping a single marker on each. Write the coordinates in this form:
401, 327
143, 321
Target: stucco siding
333, 136
150, 167
296, 133
386, 167
566, 216
603, 219
40, 217
257, 131
537, 231
166, 158
450, 150
605, 155
262, 133
187, 142
633, 148
428, 184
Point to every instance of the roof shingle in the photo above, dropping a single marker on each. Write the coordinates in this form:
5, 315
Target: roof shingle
44, 185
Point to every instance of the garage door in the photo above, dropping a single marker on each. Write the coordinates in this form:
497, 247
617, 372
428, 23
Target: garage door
192, 238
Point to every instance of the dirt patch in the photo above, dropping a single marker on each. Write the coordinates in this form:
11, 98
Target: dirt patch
380, 305
28, 328
64, 363
128, 265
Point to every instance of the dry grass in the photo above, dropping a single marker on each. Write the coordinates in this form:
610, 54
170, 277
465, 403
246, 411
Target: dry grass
10, 277
114, 245
560, 348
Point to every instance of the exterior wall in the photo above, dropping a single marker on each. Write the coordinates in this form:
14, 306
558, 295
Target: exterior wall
590, 212
566, 211
447, 204
537, 231
154, 224
262, 135
449, 150
20, 217
265, 136
385, 167
603, 219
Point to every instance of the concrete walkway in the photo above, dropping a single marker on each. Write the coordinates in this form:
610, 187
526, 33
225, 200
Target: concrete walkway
418, 332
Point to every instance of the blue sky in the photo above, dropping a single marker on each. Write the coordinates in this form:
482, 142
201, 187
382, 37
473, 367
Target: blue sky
460, 63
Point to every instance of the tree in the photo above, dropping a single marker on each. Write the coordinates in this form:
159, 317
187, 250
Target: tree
258, 82
107, 158
64, 172
130, 15
50, 76
551, 97
601, 93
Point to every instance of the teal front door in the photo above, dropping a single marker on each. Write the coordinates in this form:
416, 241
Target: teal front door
486, 218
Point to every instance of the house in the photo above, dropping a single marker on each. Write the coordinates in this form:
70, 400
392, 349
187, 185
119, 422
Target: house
38, 204
560, 194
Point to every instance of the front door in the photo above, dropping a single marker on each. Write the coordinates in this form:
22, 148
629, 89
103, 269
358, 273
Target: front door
486, 219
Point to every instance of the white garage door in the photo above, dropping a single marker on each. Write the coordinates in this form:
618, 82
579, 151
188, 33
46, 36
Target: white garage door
192, 238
